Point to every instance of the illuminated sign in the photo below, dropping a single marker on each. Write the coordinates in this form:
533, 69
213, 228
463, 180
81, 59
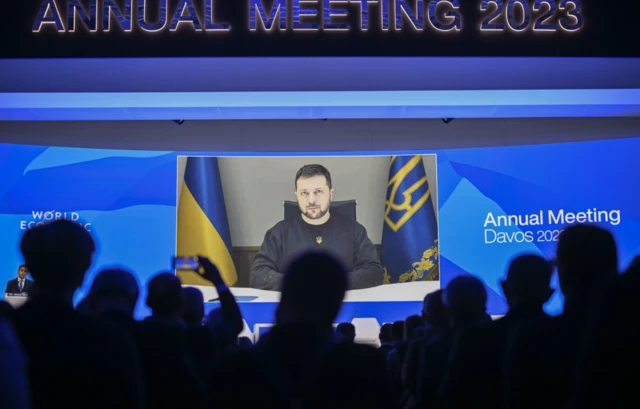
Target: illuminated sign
280, 16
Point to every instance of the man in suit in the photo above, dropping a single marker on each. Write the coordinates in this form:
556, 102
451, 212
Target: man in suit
21, 284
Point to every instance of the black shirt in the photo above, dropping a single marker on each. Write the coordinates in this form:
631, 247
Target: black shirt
340, 236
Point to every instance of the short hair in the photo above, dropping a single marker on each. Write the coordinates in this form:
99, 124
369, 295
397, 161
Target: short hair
313, 288
23, 265
411, 324
193, 305
347, 330
58, 253
309, 171
529, 277
585, 254
386, 334
164, 294
465, 298
115, 283
397, 330
434, 312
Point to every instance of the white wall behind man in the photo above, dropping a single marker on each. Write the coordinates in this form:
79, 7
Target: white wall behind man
254, 189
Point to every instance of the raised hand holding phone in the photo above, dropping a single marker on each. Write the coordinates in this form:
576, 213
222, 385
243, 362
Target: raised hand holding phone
211, 273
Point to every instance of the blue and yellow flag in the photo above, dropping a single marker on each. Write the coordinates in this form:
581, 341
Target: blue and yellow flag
203, 228
410, 231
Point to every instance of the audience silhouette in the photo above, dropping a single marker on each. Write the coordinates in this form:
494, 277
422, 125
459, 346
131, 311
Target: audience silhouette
14, 383
474, 372
193, 312
606, 371
6, 310
465, 299
451, 356
245, 343
541, 356
74, 360
397, 355
397, 332
346, 331
199, 337
114, 291
386, 340
436, 323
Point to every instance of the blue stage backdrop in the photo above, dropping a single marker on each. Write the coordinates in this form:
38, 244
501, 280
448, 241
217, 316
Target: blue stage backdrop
127, 199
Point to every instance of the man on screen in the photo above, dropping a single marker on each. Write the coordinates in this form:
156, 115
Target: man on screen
316, 229
20, 285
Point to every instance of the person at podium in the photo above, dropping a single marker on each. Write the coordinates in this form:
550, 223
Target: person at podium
21, 284
316, 229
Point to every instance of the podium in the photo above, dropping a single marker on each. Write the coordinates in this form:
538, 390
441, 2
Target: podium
16, 300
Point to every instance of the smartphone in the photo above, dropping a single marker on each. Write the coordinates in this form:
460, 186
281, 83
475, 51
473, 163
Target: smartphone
186, 263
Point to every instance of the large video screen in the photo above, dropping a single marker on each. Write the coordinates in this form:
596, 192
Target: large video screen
378, 215
408, 223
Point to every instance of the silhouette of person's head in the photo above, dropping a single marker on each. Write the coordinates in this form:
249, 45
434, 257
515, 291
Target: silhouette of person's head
397, 331
411, 325
245, 343
193, 312
527, 282
466, 300
346, 331
386, 333
636, 261
215, 322
164, 296
586, 254
434, 313
114, 289
58, 255
312, 290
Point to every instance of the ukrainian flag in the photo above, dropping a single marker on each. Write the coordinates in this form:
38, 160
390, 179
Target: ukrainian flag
410, 231
203, 228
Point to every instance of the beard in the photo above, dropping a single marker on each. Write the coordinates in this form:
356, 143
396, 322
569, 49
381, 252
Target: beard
318, 215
